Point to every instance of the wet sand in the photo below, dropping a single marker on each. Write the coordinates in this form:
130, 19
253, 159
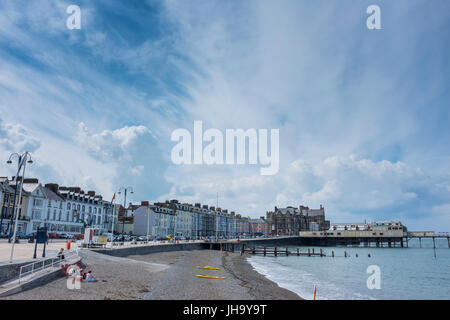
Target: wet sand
165, 276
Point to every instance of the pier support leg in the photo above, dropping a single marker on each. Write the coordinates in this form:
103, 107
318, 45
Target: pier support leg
332, 254
287, 252
309, 253
264, 251
434, 247
298, 252
275, 251
448, 241
420, 242
401, 243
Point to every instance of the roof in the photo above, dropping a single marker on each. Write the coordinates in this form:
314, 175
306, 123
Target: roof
12, 185
52, 195
4, 187
316, 212
30, 187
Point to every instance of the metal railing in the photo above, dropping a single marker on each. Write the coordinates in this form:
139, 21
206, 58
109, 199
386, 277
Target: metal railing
36, 266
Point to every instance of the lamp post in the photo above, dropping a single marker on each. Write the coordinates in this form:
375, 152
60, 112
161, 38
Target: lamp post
4, 208
22, 161
125, 190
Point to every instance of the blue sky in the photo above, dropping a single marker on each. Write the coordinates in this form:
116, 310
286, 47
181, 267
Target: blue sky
363, 114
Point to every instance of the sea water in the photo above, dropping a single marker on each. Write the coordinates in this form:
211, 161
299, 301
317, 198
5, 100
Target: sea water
405, 273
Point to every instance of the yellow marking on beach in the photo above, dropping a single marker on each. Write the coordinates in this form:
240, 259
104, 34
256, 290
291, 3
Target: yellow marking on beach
209, 268
209, 277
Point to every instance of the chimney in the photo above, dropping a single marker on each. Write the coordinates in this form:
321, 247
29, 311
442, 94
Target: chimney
91, 193
225, 211
212, 208
198, 205
31, 180
52, 186
145, 203
205, 206
232, 213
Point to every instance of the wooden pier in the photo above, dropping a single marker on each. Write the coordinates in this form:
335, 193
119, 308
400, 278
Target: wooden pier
281, 251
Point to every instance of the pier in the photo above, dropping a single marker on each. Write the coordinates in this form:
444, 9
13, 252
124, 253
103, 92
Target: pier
333, 239
276, 251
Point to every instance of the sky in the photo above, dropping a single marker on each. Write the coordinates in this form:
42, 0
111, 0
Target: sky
363, 115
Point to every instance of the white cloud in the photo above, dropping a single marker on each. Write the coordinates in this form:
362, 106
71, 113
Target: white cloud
137, 171
348, 187
15, 138
111, 145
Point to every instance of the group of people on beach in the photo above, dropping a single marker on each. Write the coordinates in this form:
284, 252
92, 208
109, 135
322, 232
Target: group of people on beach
88, 276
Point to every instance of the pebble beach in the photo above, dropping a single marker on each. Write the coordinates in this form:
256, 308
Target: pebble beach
164, 276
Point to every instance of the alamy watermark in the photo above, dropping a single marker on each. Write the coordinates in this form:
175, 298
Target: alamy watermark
74, 20
190, 150
74, 278
374, 280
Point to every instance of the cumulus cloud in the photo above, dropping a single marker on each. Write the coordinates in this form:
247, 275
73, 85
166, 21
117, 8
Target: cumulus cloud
112, 144
135, 152
16, 138
351, 188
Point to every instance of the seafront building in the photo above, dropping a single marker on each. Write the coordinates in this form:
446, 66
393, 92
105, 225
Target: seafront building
60, 209
184, 220
292, 220
7, 190
69, 209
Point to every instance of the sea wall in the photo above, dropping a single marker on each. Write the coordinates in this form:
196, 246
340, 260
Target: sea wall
10, 271
141, 250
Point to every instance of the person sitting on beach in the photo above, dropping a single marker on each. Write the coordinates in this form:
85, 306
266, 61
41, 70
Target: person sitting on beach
90, 277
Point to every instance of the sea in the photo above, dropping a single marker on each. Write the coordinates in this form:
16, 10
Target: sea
411, 273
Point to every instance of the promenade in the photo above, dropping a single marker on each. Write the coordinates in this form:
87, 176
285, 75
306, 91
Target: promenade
24, 251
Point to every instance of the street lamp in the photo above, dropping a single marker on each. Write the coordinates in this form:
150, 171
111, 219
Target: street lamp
125, 190
22, 161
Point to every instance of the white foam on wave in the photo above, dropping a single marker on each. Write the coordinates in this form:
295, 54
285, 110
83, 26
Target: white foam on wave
302, 281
